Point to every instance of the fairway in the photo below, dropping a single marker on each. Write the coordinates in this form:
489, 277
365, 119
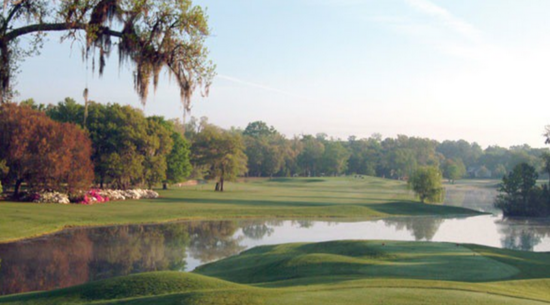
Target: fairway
255, 198
342, 272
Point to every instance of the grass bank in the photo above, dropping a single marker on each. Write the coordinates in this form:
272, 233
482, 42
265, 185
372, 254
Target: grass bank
263, 198
342, 272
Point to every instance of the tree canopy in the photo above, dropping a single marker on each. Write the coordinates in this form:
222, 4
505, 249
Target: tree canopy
151, 35
45, 154
426, 183
220, 151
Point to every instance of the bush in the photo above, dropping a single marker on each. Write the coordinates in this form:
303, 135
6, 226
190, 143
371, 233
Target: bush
50, 197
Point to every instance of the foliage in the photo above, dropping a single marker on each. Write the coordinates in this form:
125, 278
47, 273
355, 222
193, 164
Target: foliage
159, 145
128, 148
520, 195
151, 35
454, 169
221, 152
265, 149
178, 163
426, 183
45, 154
4, 170
310, 156
335, 159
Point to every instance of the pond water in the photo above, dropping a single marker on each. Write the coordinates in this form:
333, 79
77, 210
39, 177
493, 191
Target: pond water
77, 256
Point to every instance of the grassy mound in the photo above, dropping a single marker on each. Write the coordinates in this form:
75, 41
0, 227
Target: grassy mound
340, 272
132, 286
348, 260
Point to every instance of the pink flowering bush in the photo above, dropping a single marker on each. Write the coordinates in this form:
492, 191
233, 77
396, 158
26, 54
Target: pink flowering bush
93, 196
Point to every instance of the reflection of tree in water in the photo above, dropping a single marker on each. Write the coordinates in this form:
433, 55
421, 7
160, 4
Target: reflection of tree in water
421, 228
256, 230
306, 224
213, 240
83, 255
522, 234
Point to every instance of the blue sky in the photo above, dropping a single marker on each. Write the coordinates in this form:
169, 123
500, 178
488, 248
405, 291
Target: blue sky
469, 69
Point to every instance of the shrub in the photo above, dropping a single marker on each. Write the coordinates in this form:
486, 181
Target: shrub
50, 197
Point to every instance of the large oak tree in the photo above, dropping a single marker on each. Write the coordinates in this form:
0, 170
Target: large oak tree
152, 35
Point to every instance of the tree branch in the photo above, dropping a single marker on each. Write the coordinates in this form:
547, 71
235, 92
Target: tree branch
10, 16
49, 27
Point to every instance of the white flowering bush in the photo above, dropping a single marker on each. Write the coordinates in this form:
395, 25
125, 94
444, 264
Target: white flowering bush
93, 196
128, 194
51, 197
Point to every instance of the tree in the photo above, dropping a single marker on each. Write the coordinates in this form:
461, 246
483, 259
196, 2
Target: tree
520, 195
152, 35
4, 170
265, 149
43, 153
546, 167
158, 145
426, 183
547, 134
310, 155
259, 129
335, 158
453, 170
178, 165
221, 152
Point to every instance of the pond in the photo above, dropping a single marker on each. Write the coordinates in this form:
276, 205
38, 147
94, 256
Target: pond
77, 256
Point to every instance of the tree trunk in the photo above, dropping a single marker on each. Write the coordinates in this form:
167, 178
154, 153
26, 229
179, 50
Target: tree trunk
217, 186
16, 188
221, 184
164, 186
5, 72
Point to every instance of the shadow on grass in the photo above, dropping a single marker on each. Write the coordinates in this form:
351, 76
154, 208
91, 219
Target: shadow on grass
246, 202
419, 209
295, 180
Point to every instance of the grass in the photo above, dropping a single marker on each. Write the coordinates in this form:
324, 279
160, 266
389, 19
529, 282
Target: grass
257, 198
342, 272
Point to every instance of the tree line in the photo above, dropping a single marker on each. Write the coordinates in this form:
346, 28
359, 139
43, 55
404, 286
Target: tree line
269, 153
126, 149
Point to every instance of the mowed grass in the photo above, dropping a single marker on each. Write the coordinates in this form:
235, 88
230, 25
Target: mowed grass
341, 272
257, 198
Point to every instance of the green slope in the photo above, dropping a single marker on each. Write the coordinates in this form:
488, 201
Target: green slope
342, 272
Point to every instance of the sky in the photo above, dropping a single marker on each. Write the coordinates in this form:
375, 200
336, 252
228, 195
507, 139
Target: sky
440, 69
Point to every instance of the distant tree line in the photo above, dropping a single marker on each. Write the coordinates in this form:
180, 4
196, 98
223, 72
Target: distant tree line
269, 153
128, 149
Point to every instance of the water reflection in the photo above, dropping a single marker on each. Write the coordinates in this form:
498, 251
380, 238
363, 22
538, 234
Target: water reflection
81, 255
523, 234
421, 230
